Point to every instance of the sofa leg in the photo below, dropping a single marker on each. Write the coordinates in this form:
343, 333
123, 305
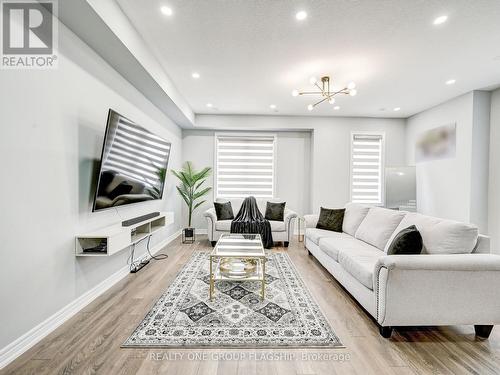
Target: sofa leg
286, 243
213, 243
385, 332
483, 331
309, 253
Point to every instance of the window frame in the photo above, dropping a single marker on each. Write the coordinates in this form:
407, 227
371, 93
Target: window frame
381, 134
243, 135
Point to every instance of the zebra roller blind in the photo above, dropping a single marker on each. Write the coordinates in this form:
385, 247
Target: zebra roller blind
244, 166
366, 168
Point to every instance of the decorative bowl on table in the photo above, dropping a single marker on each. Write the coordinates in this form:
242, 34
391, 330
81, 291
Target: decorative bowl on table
238, 268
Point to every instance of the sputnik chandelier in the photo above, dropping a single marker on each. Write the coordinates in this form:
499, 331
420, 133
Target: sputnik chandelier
324, 91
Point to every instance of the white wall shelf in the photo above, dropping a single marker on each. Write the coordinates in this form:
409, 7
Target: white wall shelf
117, 238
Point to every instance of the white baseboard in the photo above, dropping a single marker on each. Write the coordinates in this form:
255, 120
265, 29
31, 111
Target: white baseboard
37, 333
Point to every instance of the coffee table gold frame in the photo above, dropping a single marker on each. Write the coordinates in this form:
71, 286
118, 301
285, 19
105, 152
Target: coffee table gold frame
258, 274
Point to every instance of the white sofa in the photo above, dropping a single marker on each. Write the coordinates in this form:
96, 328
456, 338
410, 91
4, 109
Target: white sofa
454, 281
281, 230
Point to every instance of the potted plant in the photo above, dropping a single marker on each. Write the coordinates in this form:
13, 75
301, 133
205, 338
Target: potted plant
191, 190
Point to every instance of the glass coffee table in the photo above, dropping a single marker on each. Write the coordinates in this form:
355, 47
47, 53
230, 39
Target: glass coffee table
238, 257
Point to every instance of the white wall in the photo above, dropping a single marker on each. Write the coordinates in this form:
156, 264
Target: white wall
53, 125
292, 167
454, 188
330, 147
494, 182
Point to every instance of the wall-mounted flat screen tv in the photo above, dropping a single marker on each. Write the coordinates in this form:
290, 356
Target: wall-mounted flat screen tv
133, 164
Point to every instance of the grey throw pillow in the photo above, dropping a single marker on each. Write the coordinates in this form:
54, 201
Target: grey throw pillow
224, 211
408, 241
331, 219
275, 211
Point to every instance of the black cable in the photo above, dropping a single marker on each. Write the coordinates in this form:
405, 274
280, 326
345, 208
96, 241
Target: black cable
160, 256
133, 264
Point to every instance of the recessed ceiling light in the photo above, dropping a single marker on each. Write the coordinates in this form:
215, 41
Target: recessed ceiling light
301, 15
336, 108
441, 19
195, 75
451, 81
210, 105
166, 10
272, 106
396, 109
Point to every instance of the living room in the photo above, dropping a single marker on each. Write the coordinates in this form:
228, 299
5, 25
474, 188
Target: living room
305, 187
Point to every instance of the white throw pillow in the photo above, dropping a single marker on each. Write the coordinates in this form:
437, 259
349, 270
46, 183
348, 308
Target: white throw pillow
378, 226
353, 216
441, 236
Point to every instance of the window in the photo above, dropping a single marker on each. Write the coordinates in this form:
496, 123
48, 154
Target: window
244, 166
367, 157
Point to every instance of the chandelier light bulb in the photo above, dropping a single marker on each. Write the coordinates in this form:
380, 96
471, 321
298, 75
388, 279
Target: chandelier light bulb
312, 80
310, 107
353, 92
295, 93
351, 85
331, 100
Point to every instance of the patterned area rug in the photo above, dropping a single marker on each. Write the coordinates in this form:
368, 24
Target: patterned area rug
185, 317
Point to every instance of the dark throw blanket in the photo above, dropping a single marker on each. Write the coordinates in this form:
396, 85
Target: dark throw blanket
250, 220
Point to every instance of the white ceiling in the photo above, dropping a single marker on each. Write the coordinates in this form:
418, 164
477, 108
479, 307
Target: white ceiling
253, 53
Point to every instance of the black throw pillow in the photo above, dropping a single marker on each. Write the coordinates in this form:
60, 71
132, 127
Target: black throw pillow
224, 211
275, 211
331, 219
123, 188
408, 241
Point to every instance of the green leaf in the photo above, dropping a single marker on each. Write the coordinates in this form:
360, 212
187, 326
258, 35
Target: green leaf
203, 174
198, 204
201, 193
183, 195
197, 186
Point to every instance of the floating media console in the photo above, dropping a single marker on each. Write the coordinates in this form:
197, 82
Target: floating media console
110, 240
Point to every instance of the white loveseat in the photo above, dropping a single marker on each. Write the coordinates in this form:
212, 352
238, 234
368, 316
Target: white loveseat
281, 230
454, 281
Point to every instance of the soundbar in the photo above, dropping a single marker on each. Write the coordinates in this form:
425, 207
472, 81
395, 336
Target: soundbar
138, 219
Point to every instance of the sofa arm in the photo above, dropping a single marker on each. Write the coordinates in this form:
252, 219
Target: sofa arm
211, 217
414, 290
311, 220
210, 213
288, 217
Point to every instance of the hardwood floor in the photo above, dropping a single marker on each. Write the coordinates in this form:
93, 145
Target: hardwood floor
89, 343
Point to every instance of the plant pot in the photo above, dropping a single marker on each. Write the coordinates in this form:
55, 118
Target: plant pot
188, 235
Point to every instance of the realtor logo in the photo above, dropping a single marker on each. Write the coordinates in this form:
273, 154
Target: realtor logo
29, 34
